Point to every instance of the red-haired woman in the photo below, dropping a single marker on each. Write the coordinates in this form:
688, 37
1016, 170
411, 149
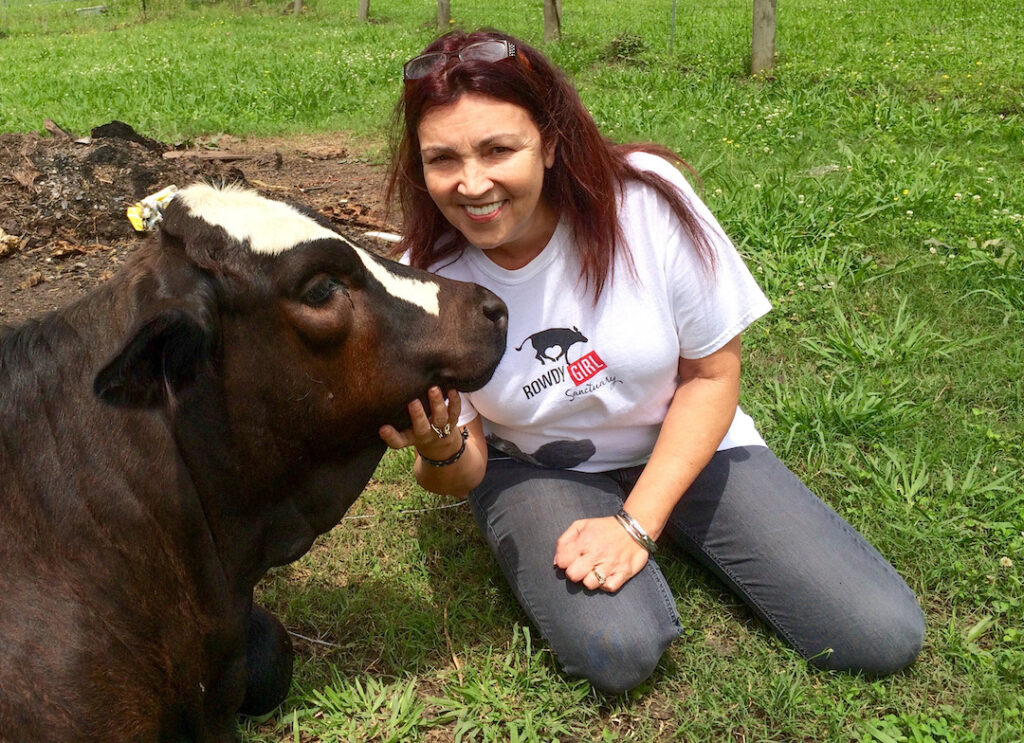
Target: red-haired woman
613, 417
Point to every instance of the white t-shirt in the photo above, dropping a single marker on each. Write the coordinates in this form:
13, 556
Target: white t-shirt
587, 387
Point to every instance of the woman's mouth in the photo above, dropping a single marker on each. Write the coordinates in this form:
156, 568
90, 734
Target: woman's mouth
484, 212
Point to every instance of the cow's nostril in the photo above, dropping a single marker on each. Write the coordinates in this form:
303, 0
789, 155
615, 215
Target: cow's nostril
495, 311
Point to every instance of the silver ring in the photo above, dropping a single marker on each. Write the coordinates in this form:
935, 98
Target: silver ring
600, 578
441, 433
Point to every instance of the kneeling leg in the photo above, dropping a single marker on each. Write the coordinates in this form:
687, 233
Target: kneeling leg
268, 658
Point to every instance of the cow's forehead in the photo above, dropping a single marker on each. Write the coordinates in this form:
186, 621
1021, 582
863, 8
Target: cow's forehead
272, 227
268, 226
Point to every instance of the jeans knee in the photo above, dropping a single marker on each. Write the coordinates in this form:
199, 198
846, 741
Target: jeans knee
891, 643
614, 662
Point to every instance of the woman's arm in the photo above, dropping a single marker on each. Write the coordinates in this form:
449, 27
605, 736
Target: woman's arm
698, 417
462, 475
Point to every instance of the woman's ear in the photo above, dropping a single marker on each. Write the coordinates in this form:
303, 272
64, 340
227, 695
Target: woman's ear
549, 153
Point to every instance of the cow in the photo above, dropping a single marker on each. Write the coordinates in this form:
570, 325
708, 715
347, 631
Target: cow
196, 420
561, 338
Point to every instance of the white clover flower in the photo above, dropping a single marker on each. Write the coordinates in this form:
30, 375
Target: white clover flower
957, 196
1005, 562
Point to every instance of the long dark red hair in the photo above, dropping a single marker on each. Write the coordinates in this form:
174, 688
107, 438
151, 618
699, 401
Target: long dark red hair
583, 185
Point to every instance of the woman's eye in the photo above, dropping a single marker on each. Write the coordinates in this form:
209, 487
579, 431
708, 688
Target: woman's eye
320, 292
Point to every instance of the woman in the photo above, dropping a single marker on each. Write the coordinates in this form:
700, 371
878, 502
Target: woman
613, 417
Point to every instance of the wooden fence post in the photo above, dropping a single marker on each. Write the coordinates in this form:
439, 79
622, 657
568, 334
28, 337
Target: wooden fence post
364, 10
762, 55
444, 15
552, 20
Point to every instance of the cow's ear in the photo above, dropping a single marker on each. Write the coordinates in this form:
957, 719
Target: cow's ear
161, 359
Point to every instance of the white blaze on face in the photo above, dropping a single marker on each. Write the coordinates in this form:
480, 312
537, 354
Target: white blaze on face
273, 227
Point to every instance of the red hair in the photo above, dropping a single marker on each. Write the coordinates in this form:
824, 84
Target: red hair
583, 185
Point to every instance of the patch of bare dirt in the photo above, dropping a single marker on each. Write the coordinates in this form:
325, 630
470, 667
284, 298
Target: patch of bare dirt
63, 198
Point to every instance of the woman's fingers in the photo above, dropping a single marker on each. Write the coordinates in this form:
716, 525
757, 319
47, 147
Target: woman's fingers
599, 554
454, 407
418, 416
421, 432
394, 438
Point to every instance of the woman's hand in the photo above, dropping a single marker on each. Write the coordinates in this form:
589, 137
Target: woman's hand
423, 434
603, 544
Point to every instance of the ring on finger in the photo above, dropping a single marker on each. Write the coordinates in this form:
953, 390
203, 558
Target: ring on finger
600, 576
442, 431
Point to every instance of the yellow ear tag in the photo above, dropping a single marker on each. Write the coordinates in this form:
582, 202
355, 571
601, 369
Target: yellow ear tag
146, 214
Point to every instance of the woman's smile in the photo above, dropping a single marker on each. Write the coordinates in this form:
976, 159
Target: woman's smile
484, 212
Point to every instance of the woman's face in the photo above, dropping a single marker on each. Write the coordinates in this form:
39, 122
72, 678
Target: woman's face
484, 163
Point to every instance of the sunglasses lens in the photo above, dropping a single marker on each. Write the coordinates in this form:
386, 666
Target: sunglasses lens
422, 65
485, 51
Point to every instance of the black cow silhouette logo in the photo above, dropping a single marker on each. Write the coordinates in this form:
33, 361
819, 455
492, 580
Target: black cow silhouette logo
561, 338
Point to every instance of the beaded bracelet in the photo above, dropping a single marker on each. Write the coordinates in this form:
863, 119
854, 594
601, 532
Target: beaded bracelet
633, 528
453, 458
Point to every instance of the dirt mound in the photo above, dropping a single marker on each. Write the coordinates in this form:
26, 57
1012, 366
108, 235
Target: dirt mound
63, 198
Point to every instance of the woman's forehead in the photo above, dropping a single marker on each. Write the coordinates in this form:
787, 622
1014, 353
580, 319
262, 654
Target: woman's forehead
474, 118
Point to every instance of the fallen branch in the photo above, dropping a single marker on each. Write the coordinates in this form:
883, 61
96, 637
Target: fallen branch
206, 155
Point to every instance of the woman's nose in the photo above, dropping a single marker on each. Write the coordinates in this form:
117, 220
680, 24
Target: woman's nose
474, 181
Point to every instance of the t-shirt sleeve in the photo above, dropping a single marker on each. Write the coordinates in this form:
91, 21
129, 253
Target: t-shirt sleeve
468, 412
711, 302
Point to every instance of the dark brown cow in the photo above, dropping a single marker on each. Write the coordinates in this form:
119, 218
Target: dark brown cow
198, 419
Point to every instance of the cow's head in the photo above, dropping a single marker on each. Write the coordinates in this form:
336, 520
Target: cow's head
306, 334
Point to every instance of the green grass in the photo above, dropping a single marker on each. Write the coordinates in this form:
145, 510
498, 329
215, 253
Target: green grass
874, 182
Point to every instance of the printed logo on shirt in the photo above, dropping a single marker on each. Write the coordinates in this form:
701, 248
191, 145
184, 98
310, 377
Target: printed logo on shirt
585, 368
553, 345
546, 341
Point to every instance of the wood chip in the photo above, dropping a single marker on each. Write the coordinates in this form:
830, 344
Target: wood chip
26, 176
225, 157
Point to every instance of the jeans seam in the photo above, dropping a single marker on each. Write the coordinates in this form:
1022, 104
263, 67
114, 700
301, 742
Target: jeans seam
742, 587
666, 595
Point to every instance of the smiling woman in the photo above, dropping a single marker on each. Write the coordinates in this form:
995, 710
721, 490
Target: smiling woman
621, 422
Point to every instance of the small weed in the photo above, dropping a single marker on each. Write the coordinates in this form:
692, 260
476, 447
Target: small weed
625, 47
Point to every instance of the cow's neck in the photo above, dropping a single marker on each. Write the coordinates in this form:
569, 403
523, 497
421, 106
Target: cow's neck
265, 505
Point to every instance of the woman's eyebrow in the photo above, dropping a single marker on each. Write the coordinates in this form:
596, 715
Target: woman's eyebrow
435, 150
492, 139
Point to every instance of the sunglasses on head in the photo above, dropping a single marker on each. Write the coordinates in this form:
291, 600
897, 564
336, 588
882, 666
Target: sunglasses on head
493, 50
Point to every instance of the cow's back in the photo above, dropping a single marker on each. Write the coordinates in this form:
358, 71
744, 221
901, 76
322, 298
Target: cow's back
99, 611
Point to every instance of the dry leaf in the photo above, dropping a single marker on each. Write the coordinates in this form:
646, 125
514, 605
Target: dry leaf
31, 280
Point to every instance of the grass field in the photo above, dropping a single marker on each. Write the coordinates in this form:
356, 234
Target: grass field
875, 184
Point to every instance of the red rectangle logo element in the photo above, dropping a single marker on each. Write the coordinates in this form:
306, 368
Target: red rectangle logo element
583, 369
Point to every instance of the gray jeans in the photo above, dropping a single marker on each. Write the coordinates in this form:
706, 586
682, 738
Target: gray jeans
793, 560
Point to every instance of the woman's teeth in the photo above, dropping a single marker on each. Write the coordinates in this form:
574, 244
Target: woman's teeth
483, 211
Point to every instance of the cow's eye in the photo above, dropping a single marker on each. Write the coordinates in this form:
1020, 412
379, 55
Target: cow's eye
320, 292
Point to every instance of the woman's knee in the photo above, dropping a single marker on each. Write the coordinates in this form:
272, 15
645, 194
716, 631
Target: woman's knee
880, 643
614, 660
